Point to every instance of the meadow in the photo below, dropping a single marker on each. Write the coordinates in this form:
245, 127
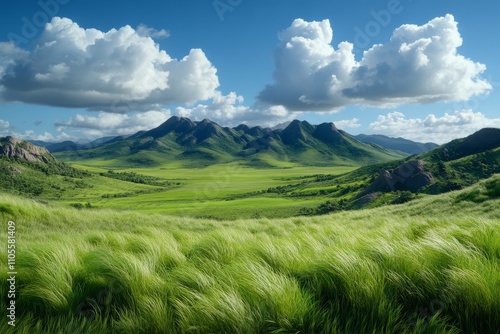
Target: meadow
431, 265
220, 191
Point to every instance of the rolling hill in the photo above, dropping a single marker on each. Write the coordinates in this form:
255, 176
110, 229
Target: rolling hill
205, 143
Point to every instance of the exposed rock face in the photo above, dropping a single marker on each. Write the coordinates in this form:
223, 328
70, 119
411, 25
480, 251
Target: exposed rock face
408, 176
18, 149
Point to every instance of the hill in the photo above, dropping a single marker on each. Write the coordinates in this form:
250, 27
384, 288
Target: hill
398, 144
451, 166
205, 143
480, 141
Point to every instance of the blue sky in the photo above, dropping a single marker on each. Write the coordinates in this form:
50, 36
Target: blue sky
66, 74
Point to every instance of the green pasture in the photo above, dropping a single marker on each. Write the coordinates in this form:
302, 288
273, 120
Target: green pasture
226, 191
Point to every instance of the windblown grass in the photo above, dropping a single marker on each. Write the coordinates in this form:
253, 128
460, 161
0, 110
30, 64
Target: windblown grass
428, 266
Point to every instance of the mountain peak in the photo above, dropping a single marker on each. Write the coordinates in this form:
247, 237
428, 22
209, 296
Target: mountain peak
206, 129
174, 123
294, 132
328, 133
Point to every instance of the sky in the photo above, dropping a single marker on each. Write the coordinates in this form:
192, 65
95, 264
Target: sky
84, 69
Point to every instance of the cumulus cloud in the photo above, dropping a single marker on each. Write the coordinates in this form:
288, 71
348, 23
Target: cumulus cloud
348, 123
9, 53
228, 110
87, 68
4, 128
46, 136
111, 124
433, 128
419, 64
145, 31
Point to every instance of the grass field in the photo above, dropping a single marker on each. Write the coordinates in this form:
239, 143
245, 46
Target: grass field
431, 265
216, 191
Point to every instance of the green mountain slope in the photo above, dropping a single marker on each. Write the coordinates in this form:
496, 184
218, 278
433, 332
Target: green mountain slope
204, 143
451, 166
454, 165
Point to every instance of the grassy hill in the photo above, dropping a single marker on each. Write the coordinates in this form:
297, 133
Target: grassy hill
29, 170
451, 166
427, 266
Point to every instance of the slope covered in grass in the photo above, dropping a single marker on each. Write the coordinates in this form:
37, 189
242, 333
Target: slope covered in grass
206, 143
428, 266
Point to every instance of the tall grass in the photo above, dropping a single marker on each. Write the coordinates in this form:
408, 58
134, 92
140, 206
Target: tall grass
412, 268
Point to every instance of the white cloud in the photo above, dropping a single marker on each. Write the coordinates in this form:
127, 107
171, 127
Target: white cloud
9, 53
110, 124
46, 136
4, 128
347, 123
228, 110
145, 31
7, 130
87, 68
419, 64
433, 128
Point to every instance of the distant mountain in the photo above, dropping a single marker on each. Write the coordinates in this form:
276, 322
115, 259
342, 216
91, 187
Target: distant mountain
100, 141
281, 126
71, 145
398, 144
206, 142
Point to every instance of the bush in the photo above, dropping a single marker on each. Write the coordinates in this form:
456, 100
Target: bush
404, 196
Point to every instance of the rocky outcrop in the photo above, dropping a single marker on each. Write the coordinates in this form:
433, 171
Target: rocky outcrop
408, 176
17, 149
362, 201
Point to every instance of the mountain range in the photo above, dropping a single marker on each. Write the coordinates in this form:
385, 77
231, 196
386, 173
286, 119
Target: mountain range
206, 142
398, 144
